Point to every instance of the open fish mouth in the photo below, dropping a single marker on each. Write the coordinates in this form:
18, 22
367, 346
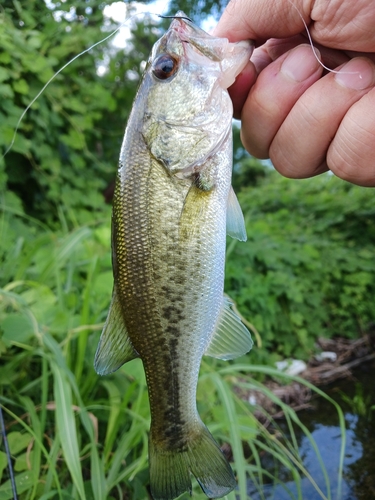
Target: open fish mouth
234, 55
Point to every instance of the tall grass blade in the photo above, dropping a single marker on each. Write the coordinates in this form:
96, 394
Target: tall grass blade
114, 400
67, 427
226, 397
85, 314
98, 482
27, 482
65, 382
51, 472
37, 452
63, 251
242, 369
291, 452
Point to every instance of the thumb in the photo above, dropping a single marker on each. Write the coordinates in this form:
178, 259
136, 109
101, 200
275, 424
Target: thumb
262, 19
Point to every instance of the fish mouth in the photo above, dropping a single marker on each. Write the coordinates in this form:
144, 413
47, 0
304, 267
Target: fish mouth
206, 66
232, 57
188, 32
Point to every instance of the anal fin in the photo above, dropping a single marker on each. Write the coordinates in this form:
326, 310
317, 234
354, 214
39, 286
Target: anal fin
114, 347
231, 338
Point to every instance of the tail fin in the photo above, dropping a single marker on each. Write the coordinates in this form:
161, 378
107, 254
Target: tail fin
170, 469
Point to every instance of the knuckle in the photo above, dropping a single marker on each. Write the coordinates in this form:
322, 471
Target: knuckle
352, 153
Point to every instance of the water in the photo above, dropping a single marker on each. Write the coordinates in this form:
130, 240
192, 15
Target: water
355, 398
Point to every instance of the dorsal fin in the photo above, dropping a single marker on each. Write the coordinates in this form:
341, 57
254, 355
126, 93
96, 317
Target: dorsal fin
114, 347
231, 338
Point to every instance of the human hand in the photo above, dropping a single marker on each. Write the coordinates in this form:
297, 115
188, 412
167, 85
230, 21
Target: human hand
292, 111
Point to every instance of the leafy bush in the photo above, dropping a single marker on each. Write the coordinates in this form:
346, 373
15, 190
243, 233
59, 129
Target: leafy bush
73, 434
68, 142
308, 267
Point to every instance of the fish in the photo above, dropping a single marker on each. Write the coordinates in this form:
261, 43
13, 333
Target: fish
173, 206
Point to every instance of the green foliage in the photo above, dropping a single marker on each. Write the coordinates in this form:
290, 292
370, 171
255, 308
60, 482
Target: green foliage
53, 301
308, 268
247, 170
50, 316
84, 437
68, 142
360, 403
56, 287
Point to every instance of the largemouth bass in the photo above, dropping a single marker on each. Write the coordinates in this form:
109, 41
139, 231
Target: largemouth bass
173, 206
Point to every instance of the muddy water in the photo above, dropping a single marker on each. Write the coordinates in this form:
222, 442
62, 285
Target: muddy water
355, 398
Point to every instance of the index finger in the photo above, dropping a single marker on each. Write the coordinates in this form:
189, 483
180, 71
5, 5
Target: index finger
260, 19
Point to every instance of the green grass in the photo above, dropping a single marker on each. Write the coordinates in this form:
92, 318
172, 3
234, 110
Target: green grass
76, 435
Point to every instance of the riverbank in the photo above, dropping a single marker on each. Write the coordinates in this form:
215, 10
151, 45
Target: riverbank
338, 358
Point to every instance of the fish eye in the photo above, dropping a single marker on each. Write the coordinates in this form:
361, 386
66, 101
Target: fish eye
164, 66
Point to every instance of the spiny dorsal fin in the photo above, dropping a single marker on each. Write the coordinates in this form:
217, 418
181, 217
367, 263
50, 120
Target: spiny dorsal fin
231, 338
114, 347
235, 221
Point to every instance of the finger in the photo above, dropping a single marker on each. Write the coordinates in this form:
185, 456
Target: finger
344, 25
369, 55
331, 58
261, 58
265, 55
351, 156
273, 95
252, 19
300, 146
240, 89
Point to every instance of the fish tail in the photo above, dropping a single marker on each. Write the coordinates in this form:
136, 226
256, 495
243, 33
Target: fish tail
170, 469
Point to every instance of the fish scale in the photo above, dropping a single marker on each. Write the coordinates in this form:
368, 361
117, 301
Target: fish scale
173, 206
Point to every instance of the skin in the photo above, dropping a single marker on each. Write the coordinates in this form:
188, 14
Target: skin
306, 119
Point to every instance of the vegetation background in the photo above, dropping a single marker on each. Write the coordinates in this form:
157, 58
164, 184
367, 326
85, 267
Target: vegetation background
307, 269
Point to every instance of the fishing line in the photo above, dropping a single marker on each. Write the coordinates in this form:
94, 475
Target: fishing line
65, 66
314, 49
7, 452
123, 24
175, 17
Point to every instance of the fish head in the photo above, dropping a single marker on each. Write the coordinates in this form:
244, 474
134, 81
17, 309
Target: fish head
188, 111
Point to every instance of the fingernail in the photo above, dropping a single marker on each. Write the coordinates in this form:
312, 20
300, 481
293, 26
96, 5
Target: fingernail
300, 63
357, 74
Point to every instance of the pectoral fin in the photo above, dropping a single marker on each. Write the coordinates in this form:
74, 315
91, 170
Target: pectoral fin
195, 204
114, 347
231, 338
235, 221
